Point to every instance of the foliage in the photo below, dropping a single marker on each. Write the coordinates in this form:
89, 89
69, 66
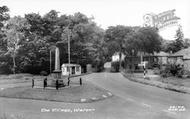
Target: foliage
156, 71
128, 39
98, 66
4, 16
28, 41
14, 31
186, 42
172, 70
149, 40
115, 38
178, 43
4, 60
43, 73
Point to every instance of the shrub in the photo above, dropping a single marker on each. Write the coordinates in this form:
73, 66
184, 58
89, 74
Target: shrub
5, 68
165, 73
98, 66
156, 71
172, 70
43, 73
155, 65
187, 73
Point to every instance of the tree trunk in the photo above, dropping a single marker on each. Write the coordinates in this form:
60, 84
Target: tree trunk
50, 63
14, 64
119, 61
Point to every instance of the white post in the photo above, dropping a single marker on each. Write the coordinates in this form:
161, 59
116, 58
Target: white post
144, 72
144, 67
57, 60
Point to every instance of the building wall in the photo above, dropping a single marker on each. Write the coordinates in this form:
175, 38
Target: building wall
187, 64
115, 57
162, 60
89, 68
65, 70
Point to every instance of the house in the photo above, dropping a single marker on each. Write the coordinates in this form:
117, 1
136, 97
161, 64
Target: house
186, 57
115, 57
160, 60
107, 66
75, 69
162, 57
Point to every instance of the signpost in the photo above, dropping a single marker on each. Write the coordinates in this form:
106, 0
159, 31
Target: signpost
68, 31
143, 64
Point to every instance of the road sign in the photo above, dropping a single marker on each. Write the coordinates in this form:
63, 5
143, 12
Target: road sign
143, 63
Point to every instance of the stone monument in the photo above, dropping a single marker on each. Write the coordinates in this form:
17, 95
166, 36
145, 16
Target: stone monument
57, 71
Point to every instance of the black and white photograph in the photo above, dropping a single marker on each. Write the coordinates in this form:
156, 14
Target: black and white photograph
94, 59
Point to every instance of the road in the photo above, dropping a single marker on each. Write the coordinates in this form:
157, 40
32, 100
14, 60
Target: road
131, 100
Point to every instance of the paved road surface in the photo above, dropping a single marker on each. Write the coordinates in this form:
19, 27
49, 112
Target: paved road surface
131, 101
155, 98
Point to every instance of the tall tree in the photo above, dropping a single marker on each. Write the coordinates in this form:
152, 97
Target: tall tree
115, 37
4, 16
149, 40
186, 42
4, 59
14, 36
178, 43
30, 39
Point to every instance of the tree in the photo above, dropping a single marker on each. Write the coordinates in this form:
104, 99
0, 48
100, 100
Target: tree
51, 30
116, 37
4, 60
84, 34
131, 40
178, 43
148, 40
35, 57
30, 39
97, 49
14, 35
4, 16
186, 42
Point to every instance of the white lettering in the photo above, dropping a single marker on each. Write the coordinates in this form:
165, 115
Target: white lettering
45, 110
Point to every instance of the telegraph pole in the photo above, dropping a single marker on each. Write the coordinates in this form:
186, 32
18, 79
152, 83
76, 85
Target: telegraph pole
69, 56
50, 61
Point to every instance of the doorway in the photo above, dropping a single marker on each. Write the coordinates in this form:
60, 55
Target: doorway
73, 70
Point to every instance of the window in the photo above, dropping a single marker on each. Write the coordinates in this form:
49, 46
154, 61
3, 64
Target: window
77, 69
67, 69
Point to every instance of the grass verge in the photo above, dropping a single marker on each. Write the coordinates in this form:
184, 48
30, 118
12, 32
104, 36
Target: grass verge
72, 94
171, 87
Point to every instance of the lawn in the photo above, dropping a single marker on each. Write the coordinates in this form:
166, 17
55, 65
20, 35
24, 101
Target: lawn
176, 81
169, 80
73, 93
18, 78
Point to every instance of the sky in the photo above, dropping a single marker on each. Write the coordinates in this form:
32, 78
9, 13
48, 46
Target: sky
108, 12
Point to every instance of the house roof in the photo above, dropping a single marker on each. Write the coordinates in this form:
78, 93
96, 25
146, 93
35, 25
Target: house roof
162, 54
70, 65
184, 52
